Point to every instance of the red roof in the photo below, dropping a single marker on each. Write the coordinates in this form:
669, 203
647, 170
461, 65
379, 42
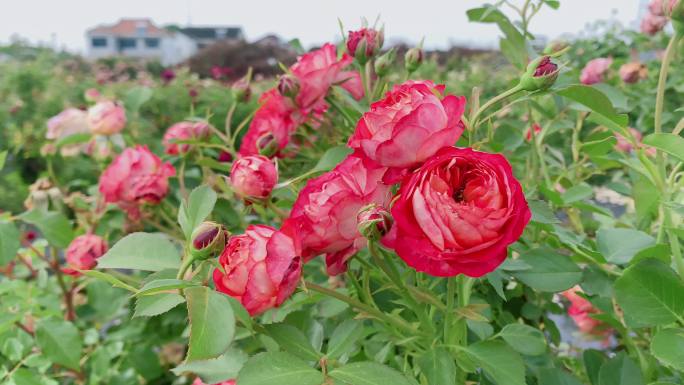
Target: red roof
130, 27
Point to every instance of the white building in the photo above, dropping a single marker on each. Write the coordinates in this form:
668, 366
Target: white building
139, 38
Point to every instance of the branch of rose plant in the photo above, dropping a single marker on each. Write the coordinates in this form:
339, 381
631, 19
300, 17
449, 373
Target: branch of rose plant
393, 320
474, 119
240, 126
66, 293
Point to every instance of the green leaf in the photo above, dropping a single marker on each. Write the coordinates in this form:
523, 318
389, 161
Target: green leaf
145, 361
599, 147
161, 285
199, 205
599, 103
212, 323
620, 370
108, 278
577, 193
60, 342
650, 294
3, 158
549, 272
620, 245
142, 251
136, 97
26, 377
9, 242
225, 367
669, 143
292, 340
593, 360
54, 226
668, 347
74, 139
344, 337
369, 373
240, 312
541, 212
153, 305
332, 158
501, 363
438, 366
525, 339
278, 368
554, 376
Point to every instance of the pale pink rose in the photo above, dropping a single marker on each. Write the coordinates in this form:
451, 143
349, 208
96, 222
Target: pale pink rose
652, 24
623, 145
253, 177
106, 118
184, 131
595, 70
68, 122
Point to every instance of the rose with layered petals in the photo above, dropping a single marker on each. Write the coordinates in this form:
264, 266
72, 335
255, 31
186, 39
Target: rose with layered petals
458, 213
261, 268
183, 131
595, 70
135, 177
324, 214
83, 252
253, 177
68, 122
409, 125
316, 71
580, 311
276, 119
106, 118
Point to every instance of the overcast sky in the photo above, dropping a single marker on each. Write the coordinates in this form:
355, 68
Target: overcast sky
64, 22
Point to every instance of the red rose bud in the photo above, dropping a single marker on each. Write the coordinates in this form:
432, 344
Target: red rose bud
541, 73
225, 157
288, 86
384, 63
374, 221
413, 59
364, 43
267, 145
208, 240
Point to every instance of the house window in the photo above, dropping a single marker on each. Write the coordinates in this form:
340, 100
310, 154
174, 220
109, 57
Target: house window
127, 43
98, 42
152, 43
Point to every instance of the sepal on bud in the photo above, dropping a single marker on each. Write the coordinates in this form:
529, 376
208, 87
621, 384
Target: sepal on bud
208, 240
374, 221
413, 58
288, 86
384, 63
267, 145
541, 73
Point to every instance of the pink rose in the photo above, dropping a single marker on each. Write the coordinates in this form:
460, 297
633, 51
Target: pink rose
528, 134
198, 381
83, 252
624, 145
261, 268
652, 24
183, 131
273, 123
106, 118
409, 125
633, 72
135, 177
316, 72
253, 177
92, 95
68, 122
580, 311
364, 43
595, 70
458, 213
324, 215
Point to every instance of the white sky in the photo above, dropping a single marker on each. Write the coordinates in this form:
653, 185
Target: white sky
63, 23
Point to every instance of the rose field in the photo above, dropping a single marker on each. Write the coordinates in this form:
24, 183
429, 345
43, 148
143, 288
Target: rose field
372, 214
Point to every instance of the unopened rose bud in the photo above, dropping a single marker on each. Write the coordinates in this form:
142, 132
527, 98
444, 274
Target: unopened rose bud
374, 221
555, 47
242, 90
106, 118
364, 43
541, 73
92, 95
633, 72
385, 62
267, 145
168, 75
253, 177
413, 59
208, 240
288, 86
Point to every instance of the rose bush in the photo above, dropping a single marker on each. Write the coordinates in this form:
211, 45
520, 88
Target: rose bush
532, 238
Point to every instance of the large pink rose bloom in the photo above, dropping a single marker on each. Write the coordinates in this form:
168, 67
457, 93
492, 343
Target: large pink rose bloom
69, 122
253, 177
409, 125
316, 71
324, 215
458, 213
262, 268
106, 118
273, 123
183, 131
135, 177
595, 70
83, 252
